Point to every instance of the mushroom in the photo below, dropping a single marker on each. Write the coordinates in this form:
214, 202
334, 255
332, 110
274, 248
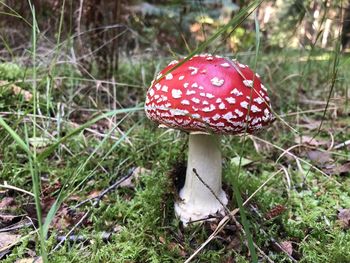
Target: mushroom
207, 96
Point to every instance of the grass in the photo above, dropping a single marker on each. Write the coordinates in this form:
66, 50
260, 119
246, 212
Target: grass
86, 147
148, 231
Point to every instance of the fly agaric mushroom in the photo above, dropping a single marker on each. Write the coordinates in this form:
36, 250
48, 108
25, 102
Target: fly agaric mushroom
207, 96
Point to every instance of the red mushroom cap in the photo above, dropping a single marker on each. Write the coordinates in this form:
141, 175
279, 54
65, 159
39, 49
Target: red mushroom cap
209, 94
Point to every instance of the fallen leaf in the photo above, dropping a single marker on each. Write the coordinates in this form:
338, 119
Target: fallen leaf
244, 161
6, 202
344, 218
39, 142
319, 157
287, 247
343, 169
135, 177
275, 211
8, 240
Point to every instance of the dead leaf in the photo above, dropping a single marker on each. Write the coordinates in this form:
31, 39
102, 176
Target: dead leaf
343, 169
6, 219
287, 247
6, 202
30, 260
8, 240
312, 125
309, 140
319, 157
344, 218
275, 211
18, 90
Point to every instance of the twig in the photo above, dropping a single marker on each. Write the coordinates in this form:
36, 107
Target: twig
7, 186
341, 145
104, 192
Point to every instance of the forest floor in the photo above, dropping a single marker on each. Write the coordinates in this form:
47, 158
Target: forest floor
115, 178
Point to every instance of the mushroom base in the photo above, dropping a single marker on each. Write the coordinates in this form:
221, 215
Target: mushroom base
202, 194
188, 212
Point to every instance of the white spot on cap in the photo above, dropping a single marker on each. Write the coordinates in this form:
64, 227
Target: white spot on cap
222, 106
267, 98
244, 104
196, 100
209, 109
176, 93
255, 109
156, 97
238, 112
266, 112
201, 87
194, 70
194, 85
202, 94
190, 92
165, 88
236, 92
178, 112
158, 86
196, 116
228, 116
203, 71
169, 76
216, 117
256, 74
159, 76
209, 95
259, 100
173, 62
241, 65
209, 58
231, 100
220, 124
217, 82
186, 85
205, 102
256, 120
248, 83
185, 102
219, 100
194, 108
225, 65
263, 87
151, 92
181, 77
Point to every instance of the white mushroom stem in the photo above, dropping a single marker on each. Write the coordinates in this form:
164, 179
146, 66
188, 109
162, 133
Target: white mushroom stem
199, 200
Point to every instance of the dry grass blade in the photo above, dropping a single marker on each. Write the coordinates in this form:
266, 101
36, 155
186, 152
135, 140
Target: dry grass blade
297, 158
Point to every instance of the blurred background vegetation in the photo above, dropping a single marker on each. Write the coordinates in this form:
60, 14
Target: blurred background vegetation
101, 31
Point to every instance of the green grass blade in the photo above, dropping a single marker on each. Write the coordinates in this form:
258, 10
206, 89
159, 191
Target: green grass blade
50, 149
16, 137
